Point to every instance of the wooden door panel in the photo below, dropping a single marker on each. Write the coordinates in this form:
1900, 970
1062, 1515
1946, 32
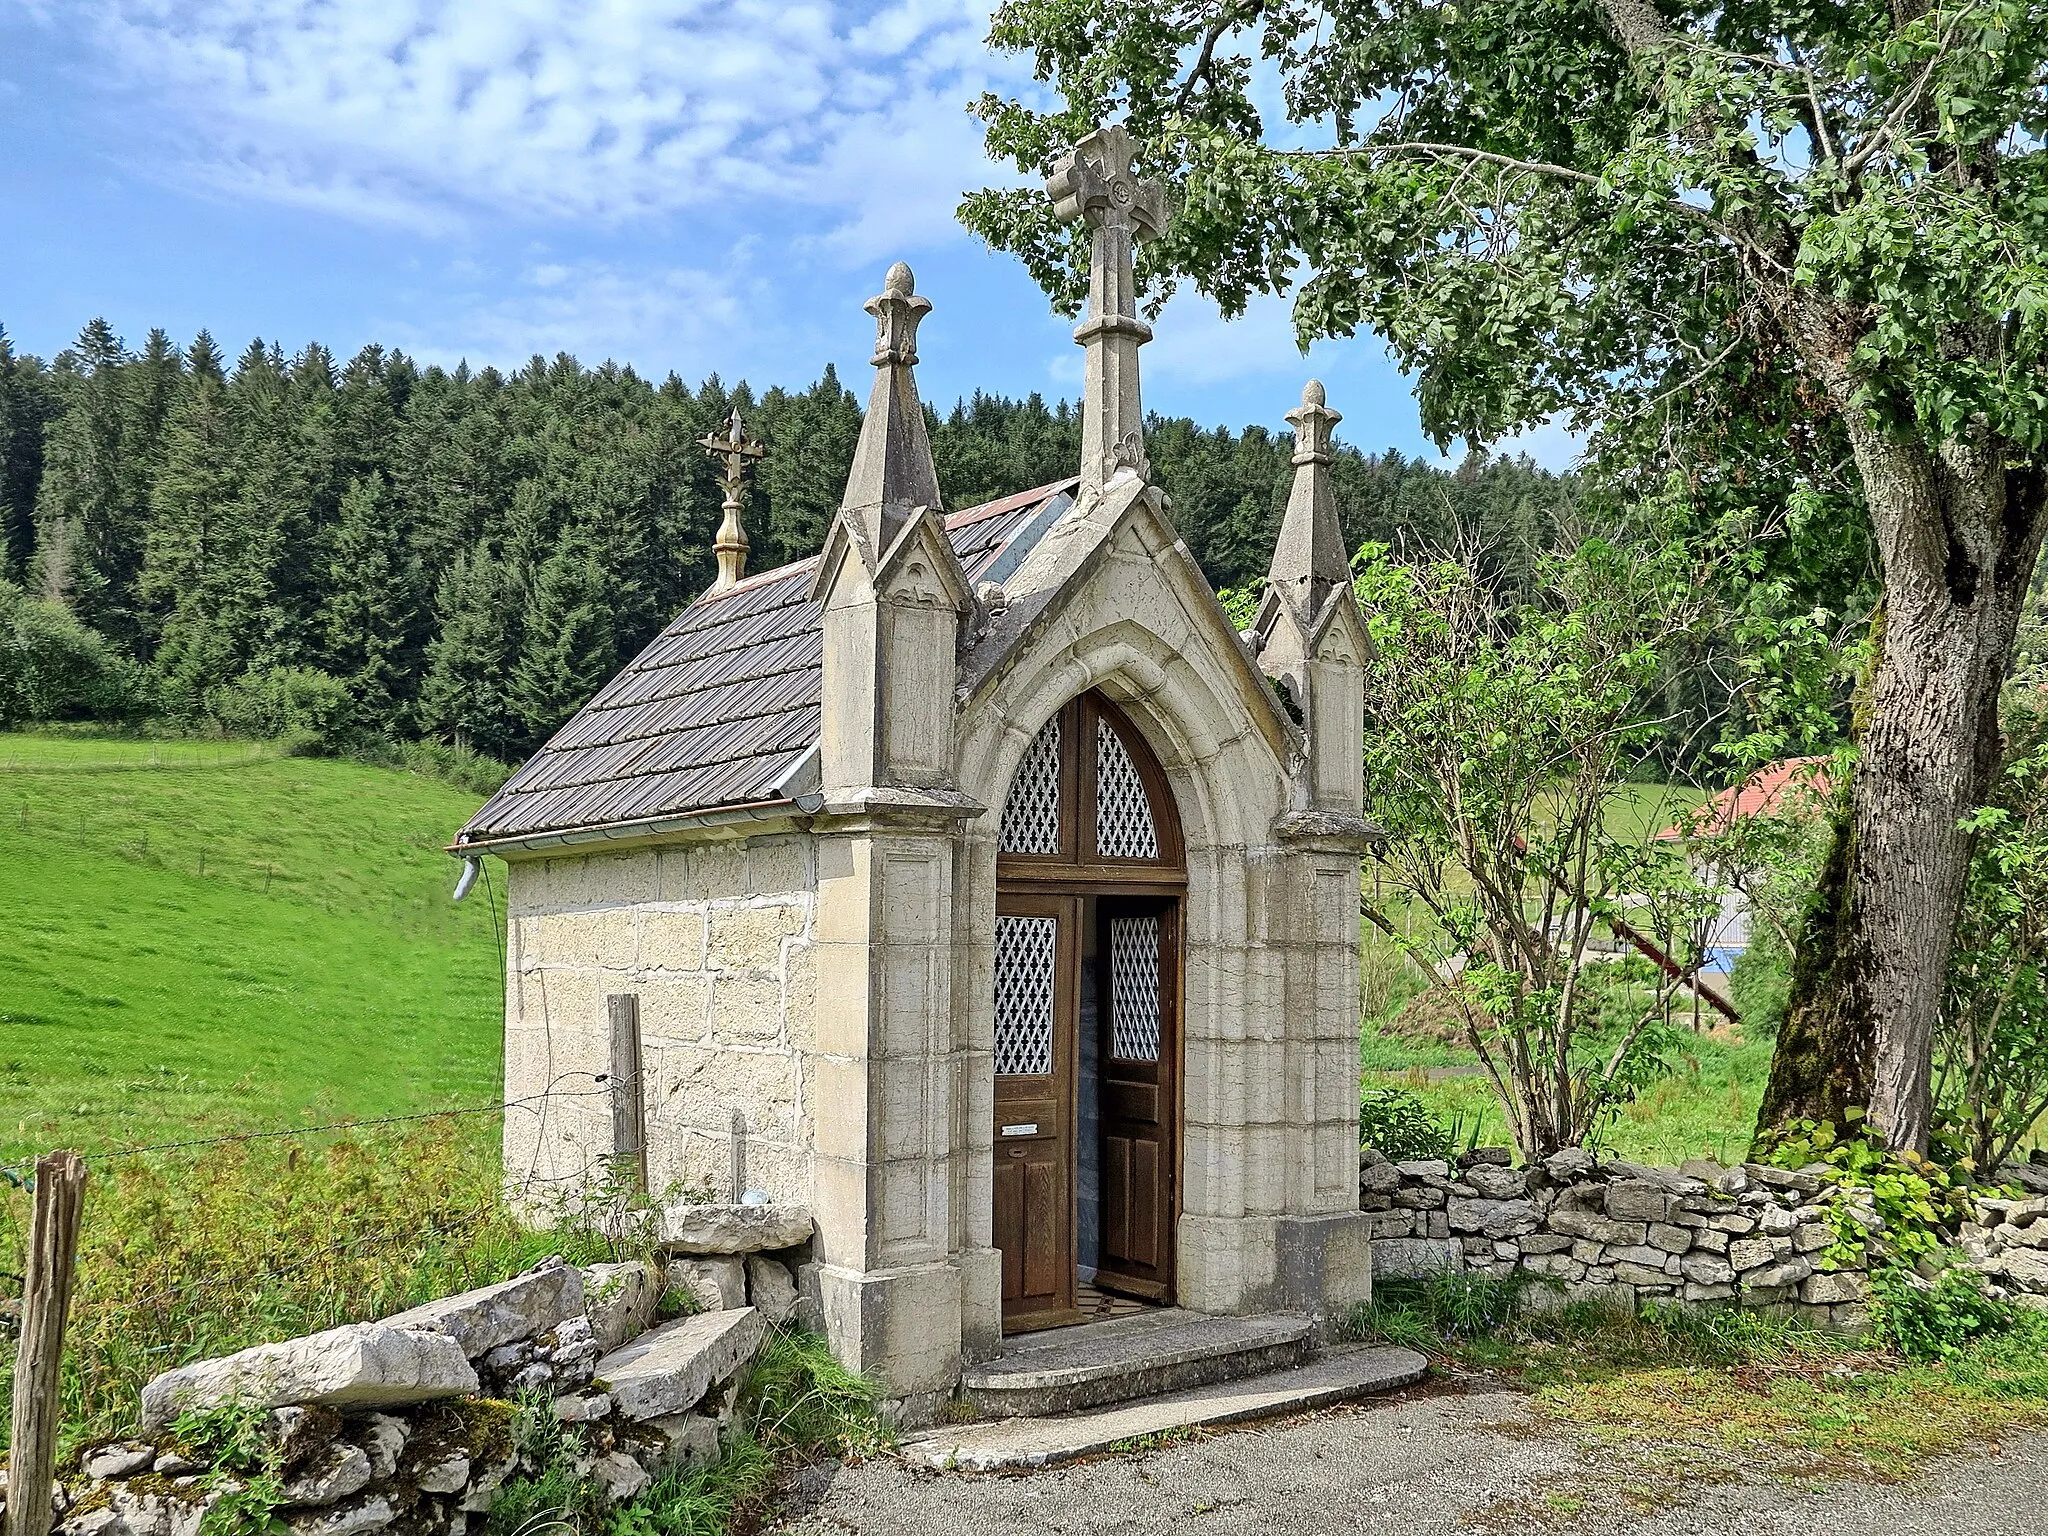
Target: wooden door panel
1037, 992
1139, 945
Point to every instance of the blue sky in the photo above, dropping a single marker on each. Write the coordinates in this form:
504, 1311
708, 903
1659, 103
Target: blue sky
694, 185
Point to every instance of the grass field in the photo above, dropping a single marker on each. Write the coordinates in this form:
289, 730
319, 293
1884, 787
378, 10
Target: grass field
203, 936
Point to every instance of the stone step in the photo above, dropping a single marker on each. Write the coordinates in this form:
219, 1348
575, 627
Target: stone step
1340, 1376
1118, 1360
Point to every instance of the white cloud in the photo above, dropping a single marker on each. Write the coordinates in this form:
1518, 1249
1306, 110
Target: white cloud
691, 319
422, 111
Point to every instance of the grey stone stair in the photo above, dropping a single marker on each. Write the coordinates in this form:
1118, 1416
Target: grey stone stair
1340, 1376
1064, 1370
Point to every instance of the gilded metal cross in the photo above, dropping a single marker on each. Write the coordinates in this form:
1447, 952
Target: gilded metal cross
738, 452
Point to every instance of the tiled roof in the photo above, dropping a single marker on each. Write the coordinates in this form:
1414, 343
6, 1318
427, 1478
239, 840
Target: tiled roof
719, 707
1775, 787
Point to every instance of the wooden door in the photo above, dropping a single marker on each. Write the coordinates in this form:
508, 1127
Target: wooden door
1139, 955
1037, 960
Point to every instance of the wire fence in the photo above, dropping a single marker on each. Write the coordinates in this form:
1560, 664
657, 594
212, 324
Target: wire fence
602, 1086
190, 1257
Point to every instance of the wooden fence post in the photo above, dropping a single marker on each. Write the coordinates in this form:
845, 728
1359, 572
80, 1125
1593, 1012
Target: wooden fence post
45, 1304
629, 1101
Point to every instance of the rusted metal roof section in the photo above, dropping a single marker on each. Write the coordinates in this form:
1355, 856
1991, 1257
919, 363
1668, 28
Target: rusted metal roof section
718, 708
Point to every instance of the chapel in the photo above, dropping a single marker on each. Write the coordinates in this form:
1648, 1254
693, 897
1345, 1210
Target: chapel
980, 880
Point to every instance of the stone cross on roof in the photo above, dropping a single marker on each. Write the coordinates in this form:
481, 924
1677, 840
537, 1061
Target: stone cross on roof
739, 452
1093, 183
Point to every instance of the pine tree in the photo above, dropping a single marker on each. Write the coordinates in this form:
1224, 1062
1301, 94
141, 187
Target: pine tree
27, 405
569, 648
200, 576
82, 525
465, 696
367, 620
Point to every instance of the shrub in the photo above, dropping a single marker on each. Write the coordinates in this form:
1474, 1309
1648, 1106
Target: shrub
1399, 1126
1761, 983
313, 714
1935, 1320
54, 668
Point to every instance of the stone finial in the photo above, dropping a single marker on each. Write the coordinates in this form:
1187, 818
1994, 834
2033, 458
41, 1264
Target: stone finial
1308, 558
892, 470
738, 452
1093, 184
897, 312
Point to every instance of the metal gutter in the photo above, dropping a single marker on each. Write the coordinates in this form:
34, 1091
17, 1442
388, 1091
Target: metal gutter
647, 826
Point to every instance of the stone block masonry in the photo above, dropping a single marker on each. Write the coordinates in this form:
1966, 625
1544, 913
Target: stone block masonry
1702, 1234
716, 940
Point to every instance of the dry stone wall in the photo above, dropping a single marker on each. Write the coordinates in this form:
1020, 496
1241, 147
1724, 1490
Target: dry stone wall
407, 1425
1701, 1234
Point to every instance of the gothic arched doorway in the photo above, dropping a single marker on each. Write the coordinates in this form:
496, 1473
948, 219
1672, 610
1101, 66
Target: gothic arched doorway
1090, 879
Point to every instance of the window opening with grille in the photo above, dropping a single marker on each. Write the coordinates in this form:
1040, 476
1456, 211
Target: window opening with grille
1027, 965
1123, 811
1031, 816
1134, 988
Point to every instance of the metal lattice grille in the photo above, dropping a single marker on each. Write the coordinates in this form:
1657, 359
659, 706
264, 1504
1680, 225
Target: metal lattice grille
1134, 988
1123, 811
1031, 817
1027, 963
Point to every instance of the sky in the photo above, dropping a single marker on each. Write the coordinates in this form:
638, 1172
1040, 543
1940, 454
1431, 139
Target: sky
690, 185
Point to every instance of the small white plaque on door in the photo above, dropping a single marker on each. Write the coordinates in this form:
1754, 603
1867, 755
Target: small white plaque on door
1021, 1130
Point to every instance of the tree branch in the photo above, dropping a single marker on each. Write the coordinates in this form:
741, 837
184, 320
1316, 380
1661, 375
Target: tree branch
1226, 20
1424, 146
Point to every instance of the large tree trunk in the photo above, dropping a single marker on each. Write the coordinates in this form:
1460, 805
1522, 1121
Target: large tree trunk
1958, 531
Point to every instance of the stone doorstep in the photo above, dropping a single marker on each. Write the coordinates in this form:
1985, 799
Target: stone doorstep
1023, 1443
1063, 1370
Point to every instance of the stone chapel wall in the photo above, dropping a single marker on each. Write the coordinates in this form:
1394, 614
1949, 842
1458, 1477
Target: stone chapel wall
716, 940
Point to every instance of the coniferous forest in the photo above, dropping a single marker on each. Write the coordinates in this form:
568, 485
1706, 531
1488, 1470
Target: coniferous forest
374, 549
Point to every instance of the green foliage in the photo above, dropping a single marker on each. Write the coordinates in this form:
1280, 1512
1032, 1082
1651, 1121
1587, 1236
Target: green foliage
53, 668
201, 936
189, 1256
1991, 1046
796, 1401
548, 1493
798, 1397
314, 713
1892, 1210
471, 553
1498, 745
1937, 1319
1397, 1124
245, 1468
1436, 1313
1761, 983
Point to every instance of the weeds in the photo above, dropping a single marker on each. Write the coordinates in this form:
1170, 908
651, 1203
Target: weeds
798, 1397
188, 1257
1436, 1314
794, 1403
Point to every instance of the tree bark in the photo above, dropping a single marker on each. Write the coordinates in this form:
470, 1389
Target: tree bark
1959, 529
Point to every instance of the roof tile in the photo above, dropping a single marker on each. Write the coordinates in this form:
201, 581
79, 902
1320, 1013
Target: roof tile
717, 707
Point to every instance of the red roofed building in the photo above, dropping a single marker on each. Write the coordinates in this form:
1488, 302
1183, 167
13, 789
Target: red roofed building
1797, 783
1777, 787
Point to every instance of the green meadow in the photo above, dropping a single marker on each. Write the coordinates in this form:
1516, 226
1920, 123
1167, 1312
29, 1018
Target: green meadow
202, 937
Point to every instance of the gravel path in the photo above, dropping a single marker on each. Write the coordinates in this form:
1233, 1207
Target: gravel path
1413, 1465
